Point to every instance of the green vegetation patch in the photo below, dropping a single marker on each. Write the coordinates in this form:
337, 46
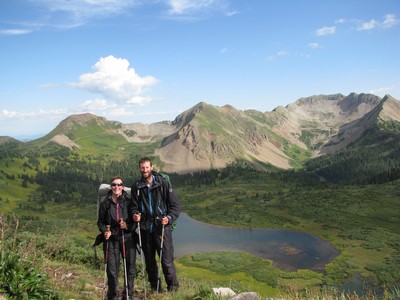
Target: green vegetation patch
255, 274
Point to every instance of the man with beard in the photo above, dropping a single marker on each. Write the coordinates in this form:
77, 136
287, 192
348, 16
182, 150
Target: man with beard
155, 206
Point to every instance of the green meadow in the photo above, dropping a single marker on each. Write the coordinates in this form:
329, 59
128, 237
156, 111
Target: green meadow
48, 205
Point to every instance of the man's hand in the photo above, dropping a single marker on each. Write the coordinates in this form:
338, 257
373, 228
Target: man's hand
164, 221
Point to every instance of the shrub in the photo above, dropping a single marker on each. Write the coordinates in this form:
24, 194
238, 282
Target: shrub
20, 274
19, 279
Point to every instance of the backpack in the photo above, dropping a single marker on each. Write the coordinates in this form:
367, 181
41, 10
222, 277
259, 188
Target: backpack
167, 178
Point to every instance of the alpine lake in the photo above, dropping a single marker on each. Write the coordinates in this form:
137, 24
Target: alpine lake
289, 250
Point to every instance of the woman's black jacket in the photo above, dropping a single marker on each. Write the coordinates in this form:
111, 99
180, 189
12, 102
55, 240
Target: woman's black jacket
108, 214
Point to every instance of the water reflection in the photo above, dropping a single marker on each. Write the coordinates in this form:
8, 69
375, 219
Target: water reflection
289, 250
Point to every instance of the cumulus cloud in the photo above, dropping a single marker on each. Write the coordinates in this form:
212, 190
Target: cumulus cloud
115, 80
326, 31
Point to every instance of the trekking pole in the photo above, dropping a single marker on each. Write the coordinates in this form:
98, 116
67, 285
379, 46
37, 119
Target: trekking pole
141, 258
159, 267
124, 259
105, 263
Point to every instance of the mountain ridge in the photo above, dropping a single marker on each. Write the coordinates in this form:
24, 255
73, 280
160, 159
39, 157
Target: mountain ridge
206, 136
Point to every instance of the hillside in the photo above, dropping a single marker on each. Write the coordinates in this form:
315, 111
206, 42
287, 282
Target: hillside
7, 139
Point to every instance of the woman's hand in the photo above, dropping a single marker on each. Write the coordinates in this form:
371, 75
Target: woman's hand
136, 217
122, 224
107, 235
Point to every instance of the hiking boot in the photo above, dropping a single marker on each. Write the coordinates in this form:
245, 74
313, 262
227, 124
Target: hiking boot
160, 289
124, 296
173, 288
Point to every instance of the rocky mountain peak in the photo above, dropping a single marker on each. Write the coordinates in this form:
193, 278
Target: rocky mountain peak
207, 136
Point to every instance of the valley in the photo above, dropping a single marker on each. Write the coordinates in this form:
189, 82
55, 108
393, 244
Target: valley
337, 179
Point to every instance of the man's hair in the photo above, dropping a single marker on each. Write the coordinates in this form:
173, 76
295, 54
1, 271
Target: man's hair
145, 159
117, 177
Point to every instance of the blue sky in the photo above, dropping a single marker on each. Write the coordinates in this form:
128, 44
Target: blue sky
148, 61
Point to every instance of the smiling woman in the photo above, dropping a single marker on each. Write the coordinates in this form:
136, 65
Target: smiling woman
116, 224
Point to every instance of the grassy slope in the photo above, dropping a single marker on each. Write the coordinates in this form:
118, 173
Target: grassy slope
359, 221
354, 227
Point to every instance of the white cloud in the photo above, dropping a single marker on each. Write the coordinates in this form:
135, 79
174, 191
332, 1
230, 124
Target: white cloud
283, 53
390, 20
119, 111
115, 80
326, 31
184, 6
70, 14
314, 45
5, 114
232, 13
340, 21
197, 9
270, 58
139, 100
384, 90
280, 53
14, 31
49, 85
223, 50
67, 14
97, 104
368, 25
87, 8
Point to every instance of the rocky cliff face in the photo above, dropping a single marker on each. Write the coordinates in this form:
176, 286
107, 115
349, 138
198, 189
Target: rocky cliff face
321, 124
325, 123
